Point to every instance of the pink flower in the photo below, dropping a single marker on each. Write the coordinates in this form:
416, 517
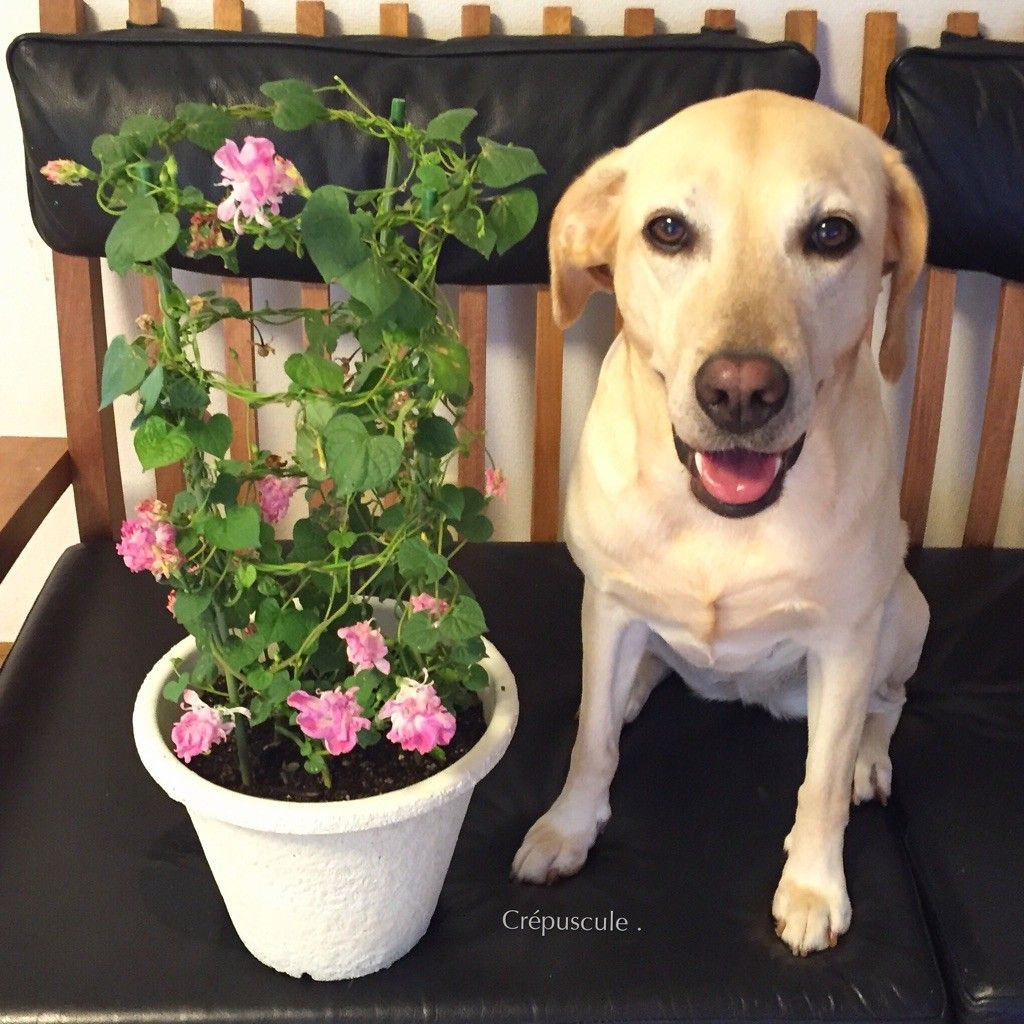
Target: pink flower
257, 178
201, 726
419, 721
366, 647
65, 172
172, 597
435, 607
149, 541
495, 483
274, 493
333, 717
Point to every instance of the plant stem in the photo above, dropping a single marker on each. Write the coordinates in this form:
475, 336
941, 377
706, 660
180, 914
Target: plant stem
241, 725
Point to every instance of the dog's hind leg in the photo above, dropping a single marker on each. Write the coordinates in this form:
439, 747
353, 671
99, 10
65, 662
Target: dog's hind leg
650, 672
904, 624
613, 646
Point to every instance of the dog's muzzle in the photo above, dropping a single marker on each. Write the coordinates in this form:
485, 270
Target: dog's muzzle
737, 482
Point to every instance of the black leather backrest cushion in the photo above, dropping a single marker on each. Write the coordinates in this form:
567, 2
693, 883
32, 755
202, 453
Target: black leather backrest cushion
957, 113
570, 99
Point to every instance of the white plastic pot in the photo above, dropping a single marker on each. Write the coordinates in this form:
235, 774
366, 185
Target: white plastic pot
336, 889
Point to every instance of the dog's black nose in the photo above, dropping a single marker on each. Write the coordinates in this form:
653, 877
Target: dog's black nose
741, 393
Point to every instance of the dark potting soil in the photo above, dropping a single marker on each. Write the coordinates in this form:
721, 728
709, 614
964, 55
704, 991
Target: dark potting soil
365, 771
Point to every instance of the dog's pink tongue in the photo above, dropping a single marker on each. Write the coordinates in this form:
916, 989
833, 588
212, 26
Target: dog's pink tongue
737, 476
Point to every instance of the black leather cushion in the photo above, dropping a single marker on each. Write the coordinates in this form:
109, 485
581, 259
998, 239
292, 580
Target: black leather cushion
571, 99
958, 760
108, 910
957, 112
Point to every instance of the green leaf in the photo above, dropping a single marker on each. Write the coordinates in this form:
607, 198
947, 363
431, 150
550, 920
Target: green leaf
373, 283
512, 217
357, 461
149, 392
240, 651
184, 504
468, 652
145, 127
331, 234
476, 528
124, 368
473, 501
183, 394
190, 198
420, 633
205, 125
391, 518
157, 443
471, 228
500, 166
188, 607
450, 125
113, 150
294, 627
464, 620
451, 501
309, 542
369, 682
449, 366
246, 576
416, 562
322, 338
212, 435
476, 678
432, 176
435, 437
313, 371
225, 490
174, 688
240, 528
296, 105
141, 233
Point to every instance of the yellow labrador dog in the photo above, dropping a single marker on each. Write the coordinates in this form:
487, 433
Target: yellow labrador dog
734, 501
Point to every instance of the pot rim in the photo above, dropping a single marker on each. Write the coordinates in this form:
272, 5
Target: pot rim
281, 816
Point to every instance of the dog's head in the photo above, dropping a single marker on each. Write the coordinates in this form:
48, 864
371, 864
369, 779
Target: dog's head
745, 239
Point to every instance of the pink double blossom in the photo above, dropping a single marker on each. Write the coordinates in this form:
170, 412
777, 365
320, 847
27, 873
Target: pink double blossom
149, 542
435, 607
495, 483
201, 726
419, 721
334, 717
65, 172
258, 179
365, 647
274, 494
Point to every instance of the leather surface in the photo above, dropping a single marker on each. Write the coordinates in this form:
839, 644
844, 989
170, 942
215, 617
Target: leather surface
958, 758
570, 99
108, 910
957, 113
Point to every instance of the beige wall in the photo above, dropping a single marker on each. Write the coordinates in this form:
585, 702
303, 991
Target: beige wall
30, 401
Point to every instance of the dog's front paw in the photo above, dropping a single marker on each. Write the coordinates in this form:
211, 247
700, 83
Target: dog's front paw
808, 918
872, 777
548, 853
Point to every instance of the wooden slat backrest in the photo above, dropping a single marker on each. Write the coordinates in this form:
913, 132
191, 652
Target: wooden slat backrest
82, 338
934, 340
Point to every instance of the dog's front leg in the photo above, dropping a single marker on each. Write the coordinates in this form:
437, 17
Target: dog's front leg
811, 905
613, 643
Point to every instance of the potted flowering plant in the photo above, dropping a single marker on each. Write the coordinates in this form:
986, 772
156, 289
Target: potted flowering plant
335, 701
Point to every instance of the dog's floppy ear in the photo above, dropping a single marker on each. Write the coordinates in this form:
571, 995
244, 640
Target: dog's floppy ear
584, 232
906, 239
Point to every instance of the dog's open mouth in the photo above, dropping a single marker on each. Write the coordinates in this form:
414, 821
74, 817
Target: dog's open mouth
737, 482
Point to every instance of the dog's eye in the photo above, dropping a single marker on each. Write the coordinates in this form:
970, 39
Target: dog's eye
669, 232
832, 237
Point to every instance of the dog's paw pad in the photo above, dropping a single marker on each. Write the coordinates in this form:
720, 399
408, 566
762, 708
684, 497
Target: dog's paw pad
872, 778
808, 920
548, 854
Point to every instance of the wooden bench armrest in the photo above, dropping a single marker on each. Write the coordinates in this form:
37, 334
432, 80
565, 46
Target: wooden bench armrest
36, 472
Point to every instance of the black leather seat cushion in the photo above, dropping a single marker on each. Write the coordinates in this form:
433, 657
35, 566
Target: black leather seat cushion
108, 910
958, 760
957, 112
569, 98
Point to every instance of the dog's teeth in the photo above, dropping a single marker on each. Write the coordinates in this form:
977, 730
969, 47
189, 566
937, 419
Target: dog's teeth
698, 461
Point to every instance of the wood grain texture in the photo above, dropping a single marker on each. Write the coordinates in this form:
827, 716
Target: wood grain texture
394, 19
547, 421
1004, 382
473, 332
638, 21
963, 23
144, 12
228, 15
37, 471
802, 27
476, 20
310, 18
879, 51
558, 21
5, 649
169, 479
240, 367
61, 16
720, 18
926, 408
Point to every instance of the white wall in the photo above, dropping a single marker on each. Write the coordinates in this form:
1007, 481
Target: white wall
30, 395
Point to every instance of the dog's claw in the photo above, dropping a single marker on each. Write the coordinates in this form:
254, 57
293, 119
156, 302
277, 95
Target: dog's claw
833, 939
